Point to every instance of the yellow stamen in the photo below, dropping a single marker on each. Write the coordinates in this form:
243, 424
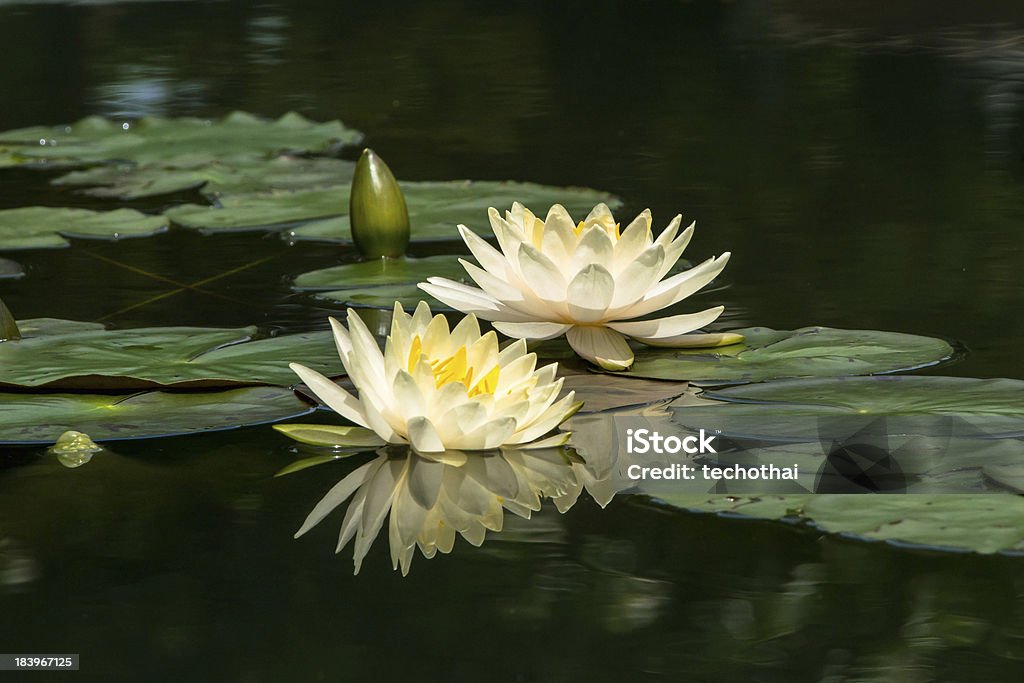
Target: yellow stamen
455, 368
488, 384
617, 234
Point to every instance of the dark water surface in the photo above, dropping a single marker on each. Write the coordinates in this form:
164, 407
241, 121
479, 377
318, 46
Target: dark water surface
864, 167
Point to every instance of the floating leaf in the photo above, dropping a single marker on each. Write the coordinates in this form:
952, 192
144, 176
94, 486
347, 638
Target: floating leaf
69, 354
381, 272
807, 352
381, 282
36, 227
982, 523
182, 140
435, 209
129, 182
247, 212
1010, 475
813, 409
408, 296
605, 392
331, 436
10, 270
42, 418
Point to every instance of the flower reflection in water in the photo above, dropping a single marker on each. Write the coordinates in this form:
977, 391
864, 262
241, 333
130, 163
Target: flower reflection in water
427, 500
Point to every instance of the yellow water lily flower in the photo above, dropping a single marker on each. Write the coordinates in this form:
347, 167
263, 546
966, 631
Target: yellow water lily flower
588, 281
439, 389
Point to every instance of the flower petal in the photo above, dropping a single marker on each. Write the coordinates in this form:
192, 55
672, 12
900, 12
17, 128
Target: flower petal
673, 290
336, 398
669, 233
661, 328
590, 293
595, 246
600, 345
638, 277
544, 277
674, 249
471, 300
423, 436
341, 340
532, 330
632, 242
490, 258
498, 286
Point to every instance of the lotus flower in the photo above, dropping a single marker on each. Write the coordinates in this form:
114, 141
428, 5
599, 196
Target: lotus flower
438, 389
430, 502
586, 281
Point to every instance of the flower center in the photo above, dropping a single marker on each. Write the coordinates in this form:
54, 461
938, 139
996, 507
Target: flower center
455, 368
604, 224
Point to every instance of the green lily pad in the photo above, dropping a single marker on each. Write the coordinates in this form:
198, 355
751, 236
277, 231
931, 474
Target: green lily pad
807, 352
408, 296
381, 272
36, 227
813, 409
42, 418
184, 140
68, 354
988, 523
129, 182
601, 393
250, 212
10, 270
382, 282
435, 209
914, 464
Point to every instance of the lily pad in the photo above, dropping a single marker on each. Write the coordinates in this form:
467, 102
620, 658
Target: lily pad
988, 523
36, 227
68, 354
252, 212
381, 282
10, 270
807, 352
602, 392
435, 209
42, 418
814, 409
130, 182
381, 272
408, 296
150, 140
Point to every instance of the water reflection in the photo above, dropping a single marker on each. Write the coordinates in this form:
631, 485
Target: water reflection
426, 502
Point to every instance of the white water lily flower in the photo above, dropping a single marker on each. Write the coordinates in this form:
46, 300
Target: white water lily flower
438, 389
429, 502
587, 281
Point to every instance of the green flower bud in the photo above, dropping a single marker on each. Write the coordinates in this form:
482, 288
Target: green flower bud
8, 326
377, 213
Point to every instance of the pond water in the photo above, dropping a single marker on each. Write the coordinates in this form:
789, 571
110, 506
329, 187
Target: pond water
866, 171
